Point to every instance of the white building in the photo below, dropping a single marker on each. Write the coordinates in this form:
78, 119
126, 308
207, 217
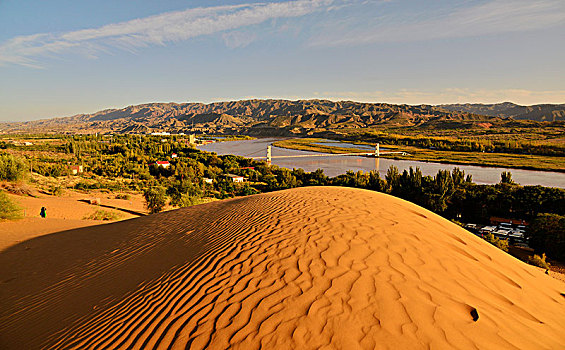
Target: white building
75, 169
236, 178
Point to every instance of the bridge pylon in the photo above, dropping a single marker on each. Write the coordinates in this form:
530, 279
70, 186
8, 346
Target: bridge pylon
269, 157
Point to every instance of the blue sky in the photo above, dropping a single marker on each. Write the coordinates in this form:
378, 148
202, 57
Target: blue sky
63, 57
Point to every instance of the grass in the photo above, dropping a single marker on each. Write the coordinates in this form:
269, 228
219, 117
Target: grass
8, 209
104, 215
501, 160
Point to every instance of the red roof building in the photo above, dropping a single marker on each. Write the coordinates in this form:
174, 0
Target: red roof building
163, 163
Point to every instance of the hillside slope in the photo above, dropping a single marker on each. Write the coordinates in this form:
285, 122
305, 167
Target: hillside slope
307, 268
542, 112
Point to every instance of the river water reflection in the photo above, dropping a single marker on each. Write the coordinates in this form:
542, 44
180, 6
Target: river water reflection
334, 166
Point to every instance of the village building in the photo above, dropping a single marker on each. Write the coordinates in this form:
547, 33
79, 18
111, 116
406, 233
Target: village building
163, 163
235, 178
208, 181
20, 143
497, 221
75, 169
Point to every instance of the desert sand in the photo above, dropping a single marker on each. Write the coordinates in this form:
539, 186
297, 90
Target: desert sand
306, 268
74, 205
63, 213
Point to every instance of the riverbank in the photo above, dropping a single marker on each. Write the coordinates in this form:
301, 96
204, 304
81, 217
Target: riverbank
500, 160
223, 138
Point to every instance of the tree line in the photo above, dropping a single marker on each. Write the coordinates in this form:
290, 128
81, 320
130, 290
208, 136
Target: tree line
194, 175
508, 145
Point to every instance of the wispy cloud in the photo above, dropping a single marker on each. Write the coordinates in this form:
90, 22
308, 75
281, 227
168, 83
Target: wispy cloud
449, 95
155, 30
491, 17
238, 39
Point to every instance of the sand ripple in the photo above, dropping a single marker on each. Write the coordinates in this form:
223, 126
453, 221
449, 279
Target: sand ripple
307, 268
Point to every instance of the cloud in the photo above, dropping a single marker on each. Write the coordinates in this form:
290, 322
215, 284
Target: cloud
155, 30
238, 39
449, 95
486, 18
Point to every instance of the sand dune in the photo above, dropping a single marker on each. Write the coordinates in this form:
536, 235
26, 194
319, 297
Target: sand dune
13, 232
306, 268
63, 213
72, 205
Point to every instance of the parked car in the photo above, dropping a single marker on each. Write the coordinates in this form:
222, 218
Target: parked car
487, 229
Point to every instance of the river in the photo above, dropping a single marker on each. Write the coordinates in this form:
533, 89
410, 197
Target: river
334, 166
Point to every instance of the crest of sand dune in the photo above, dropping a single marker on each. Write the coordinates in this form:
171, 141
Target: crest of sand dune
306, 268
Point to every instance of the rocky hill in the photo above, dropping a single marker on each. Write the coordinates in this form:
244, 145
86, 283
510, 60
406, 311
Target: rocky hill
255, 117
542, 112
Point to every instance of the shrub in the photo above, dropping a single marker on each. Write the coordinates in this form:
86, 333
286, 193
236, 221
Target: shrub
86, 185
11, 168
56, 190
123, 196
155, 199
501, 244
187, 200
8, 209
17, 188
104, 215
538, 261
51, 169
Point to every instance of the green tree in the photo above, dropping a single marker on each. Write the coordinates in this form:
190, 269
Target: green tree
375, 182
11, 168
392, 179
179, 191
506, 178
442, 190
547, 234
316, 178
155, 199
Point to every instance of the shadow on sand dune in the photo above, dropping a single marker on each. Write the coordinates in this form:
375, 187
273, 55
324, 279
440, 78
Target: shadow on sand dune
49, 282
304, 268
129, 211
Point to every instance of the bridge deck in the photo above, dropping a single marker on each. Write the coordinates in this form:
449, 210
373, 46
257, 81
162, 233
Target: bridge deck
371, 154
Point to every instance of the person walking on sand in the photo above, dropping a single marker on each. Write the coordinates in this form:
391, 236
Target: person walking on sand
43, 212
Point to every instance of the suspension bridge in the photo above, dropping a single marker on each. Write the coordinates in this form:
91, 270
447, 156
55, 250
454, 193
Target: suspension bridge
376, 153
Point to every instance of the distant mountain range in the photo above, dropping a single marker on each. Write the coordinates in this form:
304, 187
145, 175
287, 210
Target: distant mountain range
543, 112
283, 117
